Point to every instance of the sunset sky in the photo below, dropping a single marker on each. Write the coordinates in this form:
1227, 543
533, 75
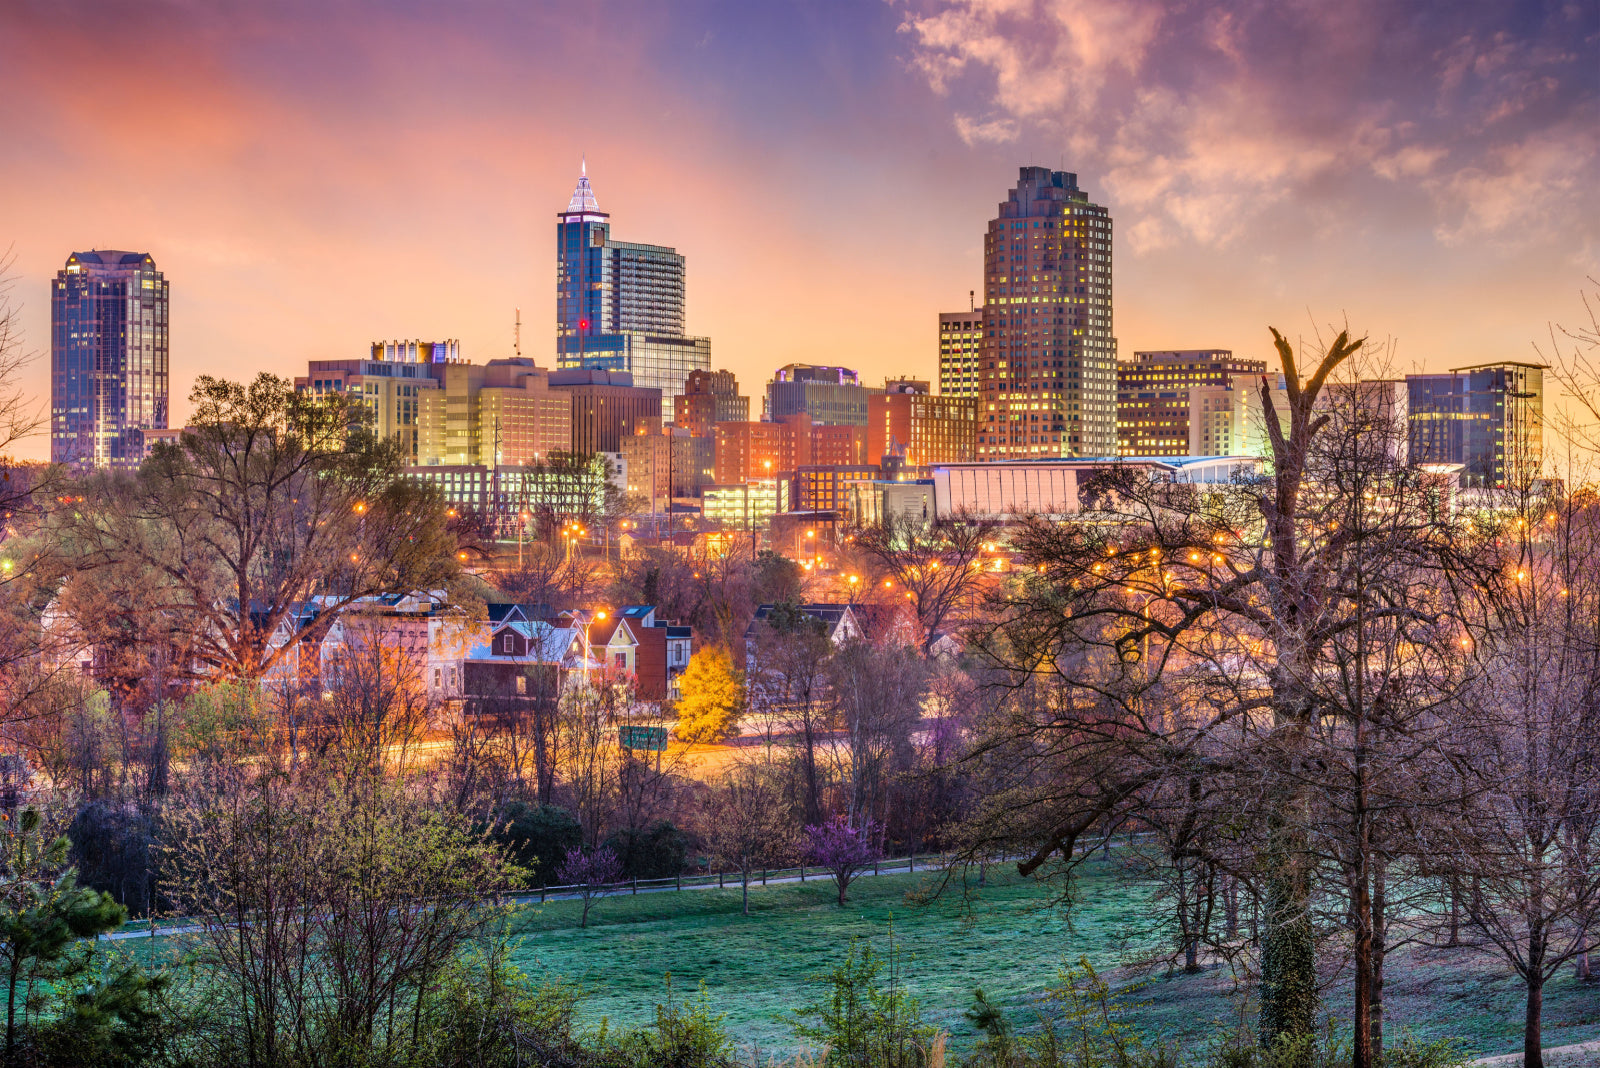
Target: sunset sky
316, 176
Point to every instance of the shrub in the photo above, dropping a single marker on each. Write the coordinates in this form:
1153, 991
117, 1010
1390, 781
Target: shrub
657, 852
537, 837
867, 1018
686, 1034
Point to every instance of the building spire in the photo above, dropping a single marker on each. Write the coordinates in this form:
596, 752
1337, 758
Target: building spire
583, 196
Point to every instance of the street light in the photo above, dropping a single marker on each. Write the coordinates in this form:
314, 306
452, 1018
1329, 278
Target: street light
588, 646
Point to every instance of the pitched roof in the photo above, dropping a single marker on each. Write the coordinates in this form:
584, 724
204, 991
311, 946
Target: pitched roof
583, 196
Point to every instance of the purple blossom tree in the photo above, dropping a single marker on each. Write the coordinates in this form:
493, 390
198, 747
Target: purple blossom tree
845, 851
592, 875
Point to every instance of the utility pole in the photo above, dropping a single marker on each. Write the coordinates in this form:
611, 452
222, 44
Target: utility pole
499, 501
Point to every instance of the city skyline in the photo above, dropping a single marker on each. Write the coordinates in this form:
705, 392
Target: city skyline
1296, 187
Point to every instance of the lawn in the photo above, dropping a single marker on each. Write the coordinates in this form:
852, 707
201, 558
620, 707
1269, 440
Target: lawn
1006, 938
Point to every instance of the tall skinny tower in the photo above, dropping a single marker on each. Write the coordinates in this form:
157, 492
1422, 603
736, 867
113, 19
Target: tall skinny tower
620, 305
108, 358
1048, 380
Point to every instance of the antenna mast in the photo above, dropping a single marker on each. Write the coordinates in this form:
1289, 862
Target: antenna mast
516, 334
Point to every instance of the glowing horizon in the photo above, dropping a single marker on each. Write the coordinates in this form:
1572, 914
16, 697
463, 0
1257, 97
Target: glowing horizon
311, 180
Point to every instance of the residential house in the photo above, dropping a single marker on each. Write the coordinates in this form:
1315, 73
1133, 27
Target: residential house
838, 621
654, 652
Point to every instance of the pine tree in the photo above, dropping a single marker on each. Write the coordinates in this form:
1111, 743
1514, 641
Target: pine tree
43, 914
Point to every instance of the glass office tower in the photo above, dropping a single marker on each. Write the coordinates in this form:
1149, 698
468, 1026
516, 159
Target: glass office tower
108, 358
620, 305
1489, 418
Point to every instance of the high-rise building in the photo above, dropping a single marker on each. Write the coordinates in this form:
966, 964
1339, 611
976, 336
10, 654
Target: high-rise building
515, 417
1153, 396
390, 384
960, 352
905, 421
666, 462
1489, 417
834, 445
748, 451
1228, 419
1049, 358
606, 407
709, 398
445, 410
620, 306
108, 358
831, 396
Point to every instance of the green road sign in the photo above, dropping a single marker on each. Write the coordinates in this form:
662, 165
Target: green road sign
651, 738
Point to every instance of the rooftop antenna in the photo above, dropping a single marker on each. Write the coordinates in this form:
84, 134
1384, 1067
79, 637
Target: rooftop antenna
516, 334
972, 299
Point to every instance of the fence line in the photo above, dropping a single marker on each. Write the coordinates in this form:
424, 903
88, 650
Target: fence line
709, 881
727, 879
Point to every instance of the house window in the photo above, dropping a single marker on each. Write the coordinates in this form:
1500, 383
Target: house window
621, 660
438, 676
522, 684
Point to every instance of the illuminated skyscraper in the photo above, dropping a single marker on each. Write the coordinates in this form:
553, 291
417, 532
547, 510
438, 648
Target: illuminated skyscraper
619, 305
1049, 359
960, 352
1153, 394
108, 358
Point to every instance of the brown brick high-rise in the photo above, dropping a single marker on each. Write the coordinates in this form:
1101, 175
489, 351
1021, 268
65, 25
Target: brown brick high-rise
1049, 366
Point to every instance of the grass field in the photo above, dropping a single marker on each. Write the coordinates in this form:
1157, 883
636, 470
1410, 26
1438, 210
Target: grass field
1006, 938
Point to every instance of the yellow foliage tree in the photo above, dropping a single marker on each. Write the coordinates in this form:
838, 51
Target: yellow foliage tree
713, 697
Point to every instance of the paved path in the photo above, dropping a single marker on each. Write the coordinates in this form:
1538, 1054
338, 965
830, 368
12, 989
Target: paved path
892, 867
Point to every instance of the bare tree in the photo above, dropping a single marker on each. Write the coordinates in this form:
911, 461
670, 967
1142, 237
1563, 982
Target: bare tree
31, 656
375, 706
589, 715
746, 824
1574, 354
1216, 630
271, 498
937, 564
549, 577
21, 416
789, 695
877, 702
1525, 855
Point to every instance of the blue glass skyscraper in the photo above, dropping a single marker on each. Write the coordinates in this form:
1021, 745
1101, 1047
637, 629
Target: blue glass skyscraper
619, 305
108, 358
